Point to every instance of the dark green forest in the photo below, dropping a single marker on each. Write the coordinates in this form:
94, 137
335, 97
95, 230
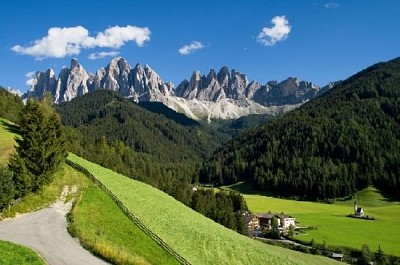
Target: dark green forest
10, 105
330, 147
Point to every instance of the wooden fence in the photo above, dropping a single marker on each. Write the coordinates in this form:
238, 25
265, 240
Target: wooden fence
134, 219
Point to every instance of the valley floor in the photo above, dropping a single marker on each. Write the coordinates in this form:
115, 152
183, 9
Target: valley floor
333, 226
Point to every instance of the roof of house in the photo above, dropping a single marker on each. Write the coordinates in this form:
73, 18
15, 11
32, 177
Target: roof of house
281, 216
250, 217
265, 216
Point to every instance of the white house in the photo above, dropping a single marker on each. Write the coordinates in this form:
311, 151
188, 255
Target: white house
286, 220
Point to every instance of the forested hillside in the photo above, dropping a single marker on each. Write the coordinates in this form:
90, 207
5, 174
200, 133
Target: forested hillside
332, 146
10, 105
108, 129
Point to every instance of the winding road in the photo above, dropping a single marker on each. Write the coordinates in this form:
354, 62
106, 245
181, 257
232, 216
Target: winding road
46, 232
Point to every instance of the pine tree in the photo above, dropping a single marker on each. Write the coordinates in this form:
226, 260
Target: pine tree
379, 257
275, 233
40, 147
6, 187
366, 255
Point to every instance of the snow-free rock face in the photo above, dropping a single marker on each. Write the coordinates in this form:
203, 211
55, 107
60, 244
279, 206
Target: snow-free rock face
226, 94
42, 82
140, 83
72, 82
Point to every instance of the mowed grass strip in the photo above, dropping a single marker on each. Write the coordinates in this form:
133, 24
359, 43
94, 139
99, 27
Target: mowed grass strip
196, 238
333, 226
11, 254
105, 230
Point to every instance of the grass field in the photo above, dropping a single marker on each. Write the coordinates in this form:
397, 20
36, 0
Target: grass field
6, 141
198, 239
333, 226
11, 253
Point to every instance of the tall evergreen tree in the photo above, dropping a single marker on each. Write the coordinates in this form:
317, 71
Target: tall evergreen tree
40, 147
6, 187
275, 233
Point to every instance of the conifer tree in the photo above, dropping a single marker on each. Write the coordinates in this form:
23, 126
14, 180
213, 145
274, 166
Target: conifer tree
6, 187
40, 147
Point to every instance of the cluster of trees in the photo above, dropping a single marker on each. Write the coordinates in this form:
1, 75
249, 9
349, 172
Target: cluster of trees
10, 105
40, 150
330, 147
378, 257
226, 208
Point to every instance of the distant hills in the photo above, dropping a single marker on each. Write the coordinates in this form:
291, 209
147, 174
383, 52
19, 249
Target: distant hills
330, 147
223, 95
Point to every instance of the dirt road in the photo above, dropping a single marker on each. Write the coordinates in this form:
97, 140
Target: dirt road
46, 232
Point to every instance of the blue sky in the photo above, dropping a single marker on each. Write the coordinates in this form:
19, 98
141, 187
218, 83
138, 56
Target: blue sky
318, 41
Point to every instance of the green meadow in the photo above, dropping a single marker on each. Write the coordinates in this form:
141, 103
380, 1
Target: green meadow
6, 141
196, 238
11, 253
333, 226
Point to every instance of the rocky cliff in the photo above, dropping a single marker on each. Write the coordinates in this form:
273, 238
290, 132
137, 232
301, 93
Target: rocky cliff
226, 94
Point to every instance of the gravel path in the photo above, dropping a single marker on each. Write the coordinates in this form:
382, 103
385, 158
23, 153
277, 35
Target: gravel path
46, 232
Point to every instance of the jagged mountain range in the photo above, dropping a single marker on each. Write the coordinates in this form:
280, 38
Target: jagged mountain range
222, 95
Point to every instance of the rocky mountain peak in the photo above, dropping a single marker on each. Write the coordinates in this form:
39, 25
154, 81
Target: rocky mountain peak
74, 63
228, 93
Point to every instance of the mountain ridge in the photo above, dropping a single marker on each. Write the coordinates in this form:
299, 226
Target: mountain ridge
223, 94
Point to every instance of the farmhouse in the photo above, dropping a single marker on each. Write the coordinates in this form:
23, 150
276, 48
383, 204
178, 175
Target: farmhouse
286, 221
257, 223
253, 225
266, 220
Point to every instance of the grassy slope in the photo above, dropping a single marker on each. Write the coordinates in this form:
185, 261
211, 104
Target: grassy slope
11, 253
6, 141
198, 239
333, 225
104, 229
93, 220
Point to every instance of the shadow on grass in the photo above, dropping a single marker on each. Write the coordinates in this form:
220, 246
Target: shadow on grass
388, 197
248, 188
9, 126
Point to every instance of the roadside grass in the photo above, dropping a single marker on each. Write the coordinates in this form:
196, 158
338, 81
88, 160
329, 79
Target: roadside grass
195, 237
333, 226
66, 176
7, 141
105, 230
11, 254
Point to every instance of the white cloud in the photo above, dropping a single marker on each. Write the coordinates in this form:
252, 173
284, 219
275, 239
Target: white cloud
191, 48
331, 5
279, 31
61, 42
30, 77
100, 55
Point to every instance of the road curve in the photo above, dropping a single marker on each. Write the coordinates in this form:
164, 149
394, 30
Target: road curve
46, 232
